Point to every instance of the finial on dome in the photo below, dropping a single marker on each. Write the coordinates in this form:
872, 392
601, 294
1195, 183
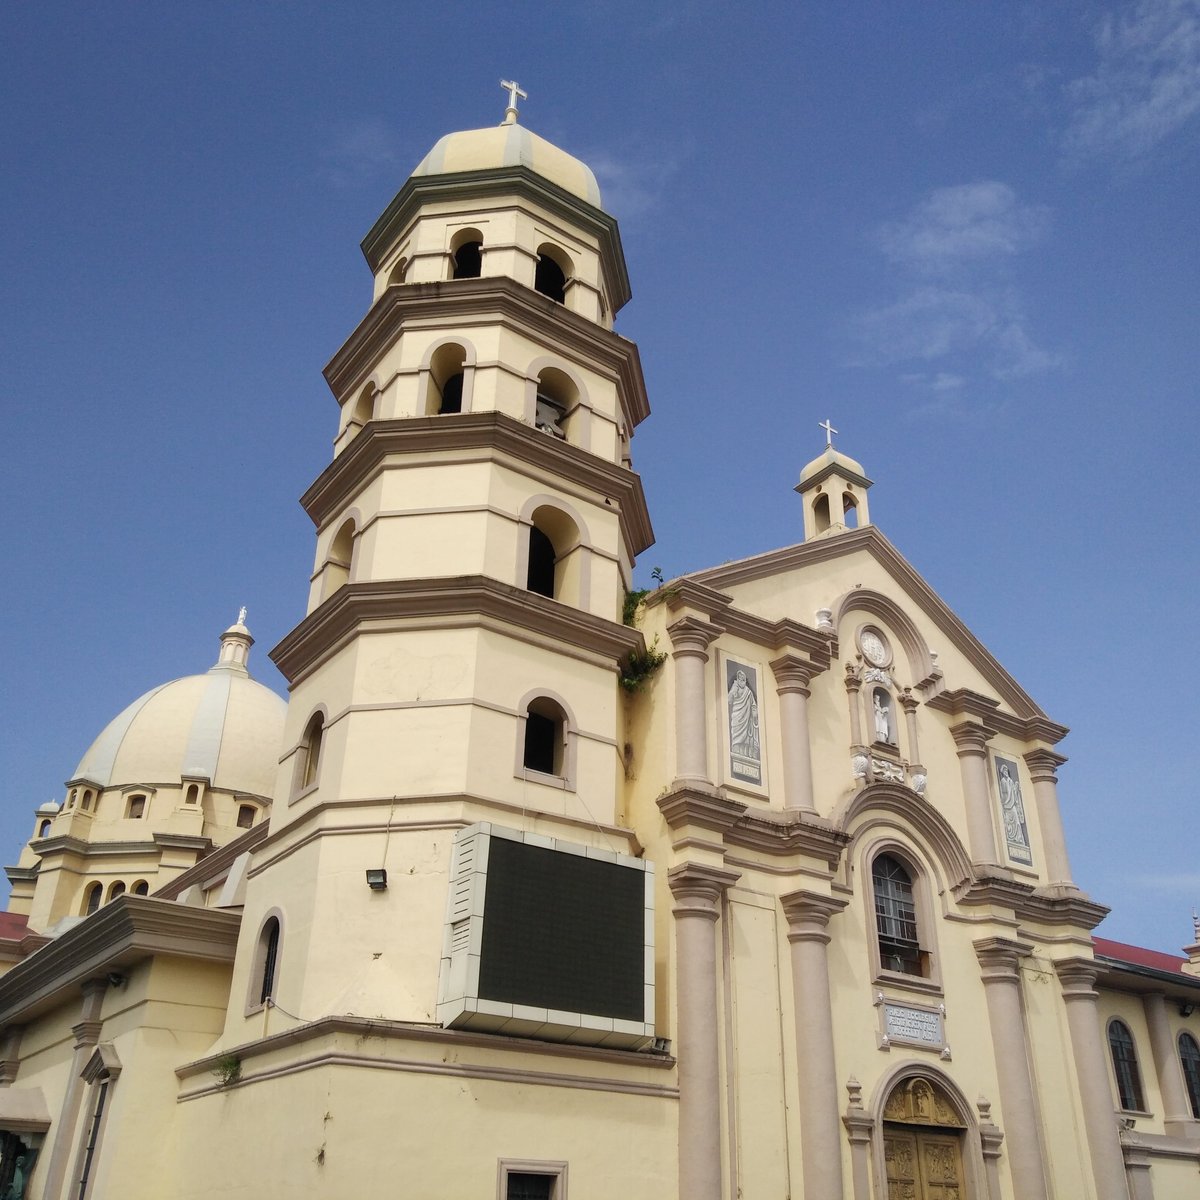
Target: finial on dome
235, 646
829, 431
1196, 924
514, 90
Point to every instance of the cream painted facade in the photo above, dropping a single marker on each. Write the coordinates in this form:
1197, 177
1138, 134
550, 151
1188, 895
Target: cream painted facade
865, 971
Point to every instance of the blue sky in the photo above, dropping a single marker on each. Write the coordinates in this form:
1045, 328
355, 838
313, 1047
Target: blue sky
965, 233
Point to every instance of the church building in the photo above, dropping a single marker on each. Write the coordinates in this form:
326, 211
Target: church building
540, 887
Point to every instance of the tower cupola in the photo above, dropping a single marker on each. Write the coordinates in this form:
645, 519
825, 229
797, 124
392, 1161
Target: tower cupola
834, 487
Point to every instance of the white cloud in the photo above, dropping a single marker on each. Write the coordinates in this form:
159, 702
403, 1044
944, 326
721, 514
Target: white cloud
631, 186
956, 226
357, 151
1146, 84
957, 311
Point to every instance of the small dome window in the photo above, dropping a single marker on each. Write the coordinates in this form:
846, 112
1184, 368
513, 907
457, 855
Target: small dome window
135, 807
245, 816
44, 829
93, 896
141, 888
117, 889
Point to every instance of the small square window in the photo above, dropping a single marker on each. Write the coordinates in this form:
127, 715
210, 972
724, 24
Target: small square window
532, 1180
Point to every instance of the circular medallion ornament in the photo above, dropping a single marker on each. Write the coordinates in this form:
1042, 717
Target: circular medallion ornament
874, 648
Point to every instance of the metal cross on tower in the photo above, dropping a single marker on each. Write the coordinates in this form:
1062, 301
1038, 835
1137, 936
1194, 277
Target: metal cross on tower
829, 431
514, 90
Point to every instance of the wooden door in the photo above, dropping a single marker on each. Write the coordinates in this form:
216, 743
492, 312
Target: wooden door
922, 1165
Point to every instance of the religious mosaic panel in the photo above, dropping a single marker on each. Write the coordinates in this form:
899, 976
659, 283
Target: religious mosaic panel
1012, 812
745, 757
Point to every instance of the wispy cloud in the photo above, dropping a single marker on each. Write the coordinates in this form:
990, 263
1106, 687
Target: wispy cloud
358, 151
957, 311
633, 185
1146, 84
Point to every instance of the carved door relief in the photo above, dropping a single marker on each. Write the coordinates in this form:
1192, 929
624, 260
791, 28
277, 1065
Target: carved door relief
922, 1144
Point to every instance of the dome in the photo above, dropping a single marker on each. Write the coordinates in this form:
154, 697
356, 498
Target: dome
222, 726
510, 145
831, 459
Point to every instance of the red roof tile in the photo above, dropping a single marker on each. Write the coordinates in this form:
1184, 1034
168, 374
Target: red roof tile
13, 926
1139, 957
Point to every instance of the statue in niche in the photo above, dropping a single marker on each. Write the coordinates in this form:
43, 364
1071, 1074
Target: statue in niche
882, 705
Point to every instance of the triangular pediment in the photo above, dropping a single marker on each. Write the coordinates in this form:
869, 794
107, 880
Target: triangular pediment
894, 589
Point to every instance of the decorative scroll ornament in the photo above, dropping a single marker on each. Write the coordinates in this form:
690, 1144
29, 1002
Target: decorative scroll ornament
877, 675
919, 782
859, 764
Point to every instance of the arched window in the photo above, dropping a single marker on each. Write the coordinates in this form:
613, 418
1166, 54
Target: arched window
267, 959
467, 252
554, 565
117, 889
1125, 1066
363, 410
1189, 1058
550, 275
896, 925
193, 793
141, 888
540, 578
556, 399
447, 379
398, 272
821, 512
545, 737
44, 829
135, 807
92, 898
71, 798
87, 799
245, 817
339, 560
310, 752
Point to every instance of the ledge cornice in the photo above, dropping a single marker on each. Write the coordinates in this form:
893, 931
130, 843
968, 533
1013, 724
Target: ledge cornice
120, 934
382, 602
419, 190
482, 431
963, 702
68, 844
495, 299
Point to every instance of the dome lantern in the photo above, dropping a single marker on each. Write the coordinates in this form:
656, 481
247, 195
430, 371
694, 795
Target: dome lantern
834, 487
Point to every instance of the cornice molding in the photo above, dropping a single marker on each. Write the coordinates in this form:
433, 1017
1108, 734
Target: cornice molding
120, 934
420, 190
491, 300
871, 541
381, 602
69, 844
349, 472
692, 636
214, 863
963, 702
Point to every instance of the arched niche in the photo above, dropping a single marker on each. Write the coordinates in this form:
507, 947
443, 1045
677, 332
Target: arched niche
916, 649
338, 565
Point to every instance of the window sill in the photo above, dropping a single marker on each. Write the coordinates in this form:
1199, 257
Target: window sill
554, 781
914, 983
304, 793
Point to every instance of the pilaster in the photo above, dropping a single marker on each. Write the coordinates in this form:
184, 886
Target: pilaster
690, 639
971, 738
1043, 769
860, 1126
808, 914
1077, 977
1000, 969
1177, 1111
698, 890
792, 677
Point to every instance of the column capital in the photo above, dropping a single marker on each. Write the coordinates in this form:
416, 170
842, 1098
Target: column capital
1043, 764
698, 888
853, 682
87, 1033
793, 673
990, 1136
908, 701
692, 636
1077, 977
808, 914
1000, 958
971, 738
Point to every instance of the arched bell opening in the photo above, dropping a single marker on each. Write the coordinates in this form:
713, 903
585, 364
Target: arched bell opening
466, 254
447, 376
552, 272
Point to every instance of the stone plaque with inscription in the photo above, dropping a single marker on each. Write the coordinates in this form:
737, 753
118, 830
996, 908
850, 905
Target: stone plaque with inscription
920, 1026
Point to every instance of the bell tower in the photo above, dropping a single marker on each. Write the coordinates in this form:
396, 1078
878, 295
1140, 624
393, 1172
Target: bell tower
476, 531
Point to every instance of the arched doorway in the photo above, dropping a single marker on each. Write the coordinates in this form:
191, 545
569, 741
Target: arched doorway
922, 1143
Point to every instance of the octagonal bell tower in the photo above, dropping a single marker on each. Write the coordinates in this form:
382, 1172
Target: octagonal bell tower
476, 531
